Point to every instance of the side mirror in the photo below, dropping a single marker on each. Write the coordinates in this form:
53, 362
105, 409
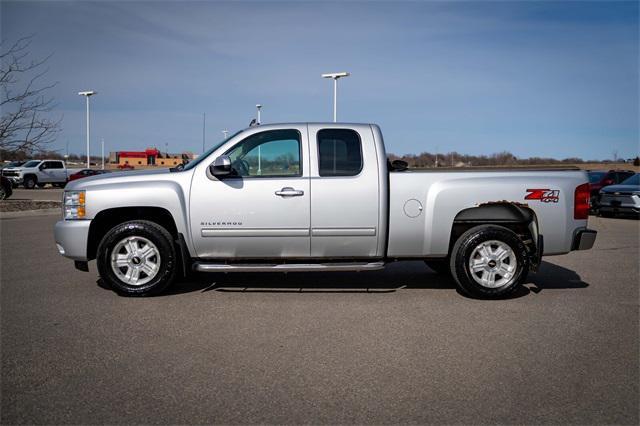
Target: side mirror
221, 166
41, 167
399, 165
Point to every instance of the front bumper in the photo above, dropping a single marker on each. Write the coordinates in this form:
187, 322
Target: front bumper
15, 180
71, 238
584, 239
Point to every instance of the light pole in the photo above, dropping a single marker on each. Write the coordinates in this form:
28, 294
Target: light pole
335, 76
204, 121
259, 107
87, 94
102, 153
225, 132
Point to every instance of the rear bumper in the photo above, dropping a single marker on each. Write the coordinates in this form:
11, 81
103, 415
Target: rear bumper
71, 238
584, 239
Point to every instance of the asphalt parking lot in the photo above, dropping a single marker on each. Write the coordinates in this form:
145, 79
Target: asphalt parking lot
395, 346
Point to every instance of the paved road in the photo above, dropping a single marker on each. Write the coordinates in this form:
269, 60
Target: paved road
396, 346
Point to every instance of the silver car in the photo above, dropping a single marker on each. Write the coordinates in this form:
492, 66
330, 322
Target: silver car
621, 198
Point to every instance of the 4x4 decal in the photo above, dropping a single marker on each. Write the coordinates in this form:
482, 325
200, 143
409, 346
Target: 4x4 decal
545, 195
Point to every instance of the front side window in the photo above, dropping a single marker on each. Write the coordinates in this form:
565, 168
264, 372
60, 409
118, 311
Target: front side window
339, 152
273, 153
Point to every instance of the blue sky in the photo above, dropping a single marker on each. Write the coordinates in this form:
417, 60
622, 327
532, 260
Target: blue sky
552, 79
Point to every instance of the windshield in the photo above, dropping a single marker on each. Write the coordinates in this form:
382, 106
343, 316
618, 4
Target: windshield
31, 163
202, 156
633, 180
595, 177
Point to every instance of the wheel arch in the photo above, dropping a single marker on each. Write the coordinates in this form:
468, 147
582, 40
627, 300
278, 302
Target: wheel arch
30, 175
515, 216
108, 218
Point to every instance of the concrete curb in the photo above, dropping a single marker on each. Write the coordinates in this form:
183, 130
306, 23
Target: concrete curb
30, 213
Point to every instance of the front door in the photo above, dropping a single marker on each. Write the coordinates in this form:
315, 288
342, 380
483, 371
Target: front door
263, 209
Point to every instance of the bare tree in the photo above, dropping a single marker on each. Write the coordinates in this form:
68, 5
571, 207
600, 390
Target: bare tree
24, 125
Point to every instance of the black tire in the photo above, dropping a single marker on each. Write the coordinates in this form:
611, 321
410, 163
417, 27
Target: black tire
30, 182
464, 248
151, 231
3, 193
439, 266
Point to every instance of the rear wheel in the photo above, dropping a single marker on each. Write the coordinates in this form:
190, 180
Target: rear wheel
137, 258
3, 192
489, 261
30, 182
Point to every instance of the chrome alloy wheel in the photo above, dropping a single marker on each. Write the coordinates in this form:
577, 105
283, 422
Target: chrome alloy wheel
135, 260
492, 264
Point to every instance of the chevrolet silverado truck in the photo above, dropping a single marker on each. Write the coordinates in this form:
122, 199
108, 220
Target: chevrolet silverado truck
39, 173
320, 197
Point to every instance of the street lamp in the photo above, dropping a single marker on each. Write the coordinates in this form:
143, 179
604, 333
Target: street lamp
335, 76
87, 94
225, 132
258, 107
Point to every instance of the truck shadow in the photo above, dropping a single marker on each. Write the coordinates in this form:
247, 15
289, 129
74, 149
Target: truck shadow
396, 277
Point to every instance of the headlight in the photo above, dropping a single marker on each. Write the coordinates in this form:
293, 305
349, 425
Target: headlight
73, 205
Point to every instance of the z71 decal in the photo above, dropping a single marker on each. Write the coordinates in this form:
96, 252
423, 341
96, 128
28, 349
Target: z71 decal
544, 195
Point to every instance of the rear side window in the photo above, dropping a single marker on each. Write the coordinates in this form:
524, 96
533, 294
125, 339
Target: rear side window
53, 165
621, 176
339, 152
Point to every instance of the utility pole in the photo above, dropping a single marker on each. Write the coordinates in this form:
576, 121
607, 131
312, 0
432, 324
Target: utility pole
102, 153
335, 76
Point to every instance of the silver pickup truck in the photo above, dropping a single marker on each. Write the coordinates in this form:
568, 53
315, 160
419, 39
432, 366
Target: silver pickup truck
320, 197
39, 173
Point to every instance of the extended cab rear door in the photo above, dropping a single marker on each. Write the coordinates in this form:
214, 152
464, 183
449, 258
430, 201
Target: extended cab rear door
345, 190
53, 171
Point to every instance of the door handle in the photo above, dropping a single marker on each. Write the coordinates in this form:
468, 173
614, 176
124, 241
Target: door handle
289, 192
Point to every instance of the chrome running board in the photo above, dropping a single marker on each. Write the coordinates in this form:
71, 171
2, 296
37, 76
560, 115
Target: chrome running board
287, 267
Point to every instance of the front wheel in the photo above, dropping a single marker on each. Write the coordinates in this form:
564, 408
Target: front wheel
30, 182
137, 258
489, 261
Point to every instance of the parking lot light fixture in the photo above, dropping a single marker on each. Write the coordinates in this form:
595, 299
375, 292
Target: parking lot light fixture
87, 94
335, 76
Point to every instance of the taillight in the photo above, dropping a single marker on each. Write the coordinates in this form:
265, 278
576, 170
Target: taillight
581, 202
